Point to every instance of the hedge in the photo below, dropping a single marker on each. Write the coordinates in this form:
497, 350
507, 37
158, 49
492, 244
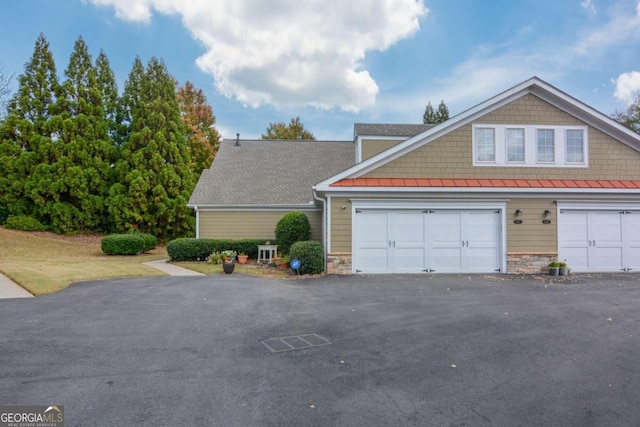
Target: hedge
150, 241
24, 223
190, 249
311, 256
292, 227
122, 244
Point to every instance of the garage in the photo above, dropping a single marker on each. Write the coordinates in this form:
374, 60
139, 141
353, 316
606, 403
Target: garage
599, 238
436, 240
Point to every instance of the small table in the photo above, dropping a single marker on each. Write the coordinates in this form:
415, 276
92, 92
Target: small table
267, 253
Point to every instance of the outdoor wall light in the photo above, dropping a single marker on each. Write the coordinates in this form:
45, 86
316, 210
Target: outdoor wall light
547, 213
518, 212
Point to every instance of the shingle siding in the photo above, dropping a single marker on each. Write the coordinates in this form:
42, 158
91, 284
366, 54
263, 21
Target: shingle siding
451, 155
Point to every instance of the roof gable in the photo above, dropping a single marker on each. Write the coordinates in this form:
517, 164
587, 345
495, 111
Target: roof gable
533, 86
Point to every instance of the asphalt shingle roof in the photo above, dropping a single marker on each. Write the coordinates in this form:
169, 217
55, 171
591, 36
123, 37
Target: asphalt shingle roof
271, 172
388, 129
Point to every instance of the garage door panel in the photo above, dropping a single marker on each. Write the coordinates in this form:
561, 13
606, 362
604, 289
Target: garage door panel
373, 260
412, 241
632, 237
576, 258
599, 240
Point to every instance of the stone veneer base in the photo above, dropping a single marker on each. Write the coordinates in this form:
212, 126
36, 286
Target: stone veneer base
517, 262
530, 262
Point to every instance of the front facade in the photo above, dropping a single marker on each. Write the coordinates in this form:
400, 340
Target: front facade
527, 177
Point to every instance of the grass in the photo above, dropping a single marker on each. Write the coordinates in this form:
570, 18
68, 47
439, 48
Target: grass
44, 263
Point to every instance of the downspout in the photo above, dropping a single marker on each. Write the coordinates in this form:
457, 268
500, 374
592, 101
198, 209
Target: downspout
324, 224
197, 221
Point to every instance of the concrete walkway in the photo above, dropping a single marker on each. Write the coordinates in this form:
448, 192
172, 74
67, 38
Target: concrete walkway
10, 289
171, 269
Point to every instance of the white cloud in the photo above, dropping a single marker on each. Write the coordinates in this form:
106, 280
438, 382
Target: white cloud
627, 86
589, 6
288, 52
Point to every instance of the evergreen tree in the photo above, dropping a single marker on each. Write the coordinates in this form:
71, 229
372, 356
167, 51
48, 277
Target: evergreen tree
106, 81
293, 131
26, 136
631, 117
153, 173
5, 90
443, 112
429, 116
203, 139
434, 117
71, 189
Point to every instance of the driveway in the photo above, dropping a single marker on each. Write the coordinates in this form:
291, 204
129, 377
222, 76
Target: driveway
405, 350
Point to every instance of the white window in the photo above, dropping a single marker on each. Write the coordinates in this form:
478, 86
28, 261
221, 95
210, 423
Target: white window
575, 146
485, 145
530, 146
546, 147
515, 145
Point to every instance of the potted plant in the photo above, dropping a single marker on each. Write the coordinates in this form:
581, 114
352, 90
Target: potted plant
554, 268
563, 269
215, 258
242, 258
283, 262
228, 261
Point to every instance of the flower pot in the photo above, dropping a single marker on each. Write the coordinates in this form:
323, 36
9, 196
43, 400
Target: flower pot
282, 265
554, 271
228, 267
563, 271
242, 259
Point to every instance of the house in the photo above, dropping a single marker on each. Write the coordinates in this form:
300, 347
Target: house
529, 176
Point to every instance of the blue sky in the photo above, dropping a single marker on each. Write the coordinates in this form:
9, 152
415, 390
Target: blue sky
336, 62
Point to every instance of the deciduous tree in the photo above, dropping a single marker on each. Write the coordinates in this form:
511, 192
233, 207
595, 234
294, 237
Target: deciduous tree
631, 116
202, 137
294, 131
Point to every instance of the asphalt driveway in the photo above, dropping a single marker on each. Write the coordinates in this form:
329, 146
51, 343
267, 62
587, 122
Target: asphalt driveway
405, 350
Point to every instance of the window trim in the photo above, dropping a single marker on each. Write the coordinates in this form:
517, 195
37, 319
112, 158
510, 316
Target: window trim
531, 146
506, 146
476, 151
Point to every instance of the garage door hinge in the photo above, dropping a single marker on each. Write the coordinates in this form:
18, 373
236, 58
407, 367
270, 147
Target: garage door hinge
496, 212
498, 270
626, 269
358, 271
358, 211
428, 212
428, 270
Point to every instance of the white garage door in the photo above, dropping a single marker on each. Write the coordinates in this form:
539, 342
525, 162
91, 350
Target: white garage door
599, 240
413, 241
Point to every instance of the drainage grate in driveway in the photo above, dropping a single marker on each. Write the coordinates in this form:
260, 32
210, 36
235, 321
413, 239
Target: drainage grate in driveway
298, 342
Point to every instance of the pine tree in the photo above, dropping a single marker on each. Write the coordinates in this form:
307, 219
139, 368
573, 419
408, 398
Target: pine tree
154, 177
443, 112
429, 116
26, 137
434, 117
295, 130
203, 139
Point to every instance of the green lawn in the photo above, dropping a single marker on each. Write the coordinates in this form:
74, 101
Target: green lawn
44, 263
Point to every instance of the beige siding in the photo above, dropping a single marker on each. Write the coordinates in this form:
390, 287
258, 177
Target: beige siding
250, 225
371, 147
340, 225
451, 155
532, 235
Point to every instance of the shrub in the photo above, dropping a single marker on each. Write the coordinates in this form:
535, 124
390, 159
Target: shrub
190, 249
24, 223
293, 227
311, 256
4, 214
122, 244
150, 241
